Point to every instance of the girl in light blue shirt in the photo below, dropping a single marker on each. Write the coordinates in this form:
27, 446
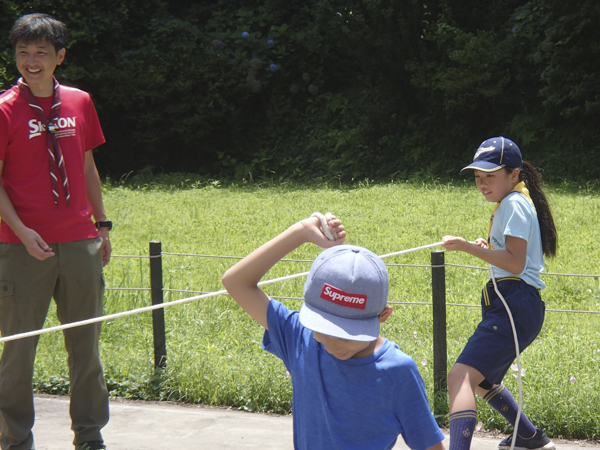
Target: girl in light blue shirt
521, 231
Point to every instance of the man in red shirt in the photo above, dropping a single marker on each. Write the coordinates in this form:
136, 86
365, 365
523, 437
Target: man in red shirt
49, 245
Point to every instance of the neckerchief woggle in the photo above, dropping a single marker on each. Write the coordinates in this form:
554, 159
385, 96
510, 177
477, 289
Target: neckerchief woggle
57, 162
520, 187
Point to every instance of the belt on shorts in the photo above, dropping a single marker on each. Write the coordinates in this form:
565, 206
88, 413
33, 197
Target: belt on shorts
489, 287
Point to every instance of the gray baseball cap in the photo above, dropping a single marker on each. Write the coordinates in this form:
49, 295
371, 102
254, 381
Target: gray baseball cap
346, 290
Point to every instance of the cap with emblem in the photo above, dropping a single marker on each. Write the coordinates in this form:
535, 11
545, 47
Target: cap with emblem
345, 291
494, 154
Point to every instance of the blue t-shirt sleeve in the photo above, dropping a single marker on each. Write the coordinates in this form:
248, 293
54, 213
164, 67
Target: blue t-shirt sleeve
284, 336
420, 430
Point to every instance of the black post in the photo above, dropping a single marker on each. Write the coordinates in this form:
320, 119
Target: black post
440, 353
158, 315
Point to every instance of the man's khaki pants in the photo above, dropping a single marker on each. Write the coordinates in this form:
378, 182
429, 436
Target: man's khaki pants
73, 277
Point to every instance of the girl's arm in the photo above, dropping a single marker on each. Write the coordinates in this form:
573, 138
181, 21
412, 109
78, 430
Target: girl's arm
439, 446
512, 259
241, 280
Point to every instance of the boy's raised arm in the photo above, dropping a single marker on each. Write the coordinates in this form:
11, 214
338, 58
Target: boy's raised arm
241, 280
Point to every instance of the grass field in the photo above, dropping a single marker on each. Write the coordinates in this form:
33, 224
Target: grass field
214, 353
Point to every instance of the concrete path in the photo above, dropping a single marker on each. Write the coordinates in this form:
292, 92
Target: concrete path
152, 426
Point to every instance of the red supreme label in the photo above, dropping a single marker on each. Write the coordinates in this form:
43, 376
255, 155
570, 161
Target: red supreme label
339, 297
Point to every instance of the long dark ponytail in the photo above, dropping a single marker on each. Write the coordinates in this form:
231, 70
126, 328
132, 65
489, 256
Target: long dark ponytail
533, 182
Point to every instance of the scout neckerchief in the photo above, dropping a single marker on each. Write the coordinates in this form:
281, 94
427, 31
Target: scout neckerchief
57, 163
520, 187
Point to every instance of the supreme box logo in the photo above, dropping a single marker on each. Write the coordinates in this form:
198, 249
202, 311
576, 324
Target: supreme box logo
339, 297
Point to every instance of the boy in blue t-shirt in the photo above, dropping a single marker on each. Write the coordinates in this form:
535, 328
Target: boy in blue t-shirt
352, 388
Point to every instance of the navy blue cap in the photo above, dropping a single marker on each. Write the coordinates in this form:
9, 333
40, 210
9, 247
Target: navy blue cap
494, 154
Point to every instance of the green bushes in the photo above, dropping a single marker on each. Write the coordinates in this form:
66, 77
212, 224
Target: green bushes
302, 89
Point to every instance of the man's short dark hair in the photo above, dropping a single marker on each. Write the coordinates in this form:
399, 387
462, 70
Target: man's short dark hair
39, 27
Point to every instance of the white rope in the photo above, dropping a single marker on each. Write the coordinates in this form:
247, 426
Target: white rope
135, 311
173, 303
437, 244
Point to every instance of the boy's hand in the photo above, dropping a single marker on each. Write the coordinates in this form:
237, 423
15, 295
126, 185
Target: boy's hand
241, 280
312, 227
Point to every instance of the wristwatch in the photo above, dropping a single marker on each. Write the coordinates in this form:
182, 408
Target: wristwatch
104, 224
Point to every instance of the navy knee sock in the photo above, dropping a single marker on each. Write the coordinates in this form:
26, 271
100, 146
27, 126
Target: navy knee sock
462, 425
502, 401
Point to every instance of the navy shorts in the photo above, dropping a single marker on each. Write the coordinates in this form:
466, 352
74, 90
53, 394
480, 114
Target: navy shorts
491, 349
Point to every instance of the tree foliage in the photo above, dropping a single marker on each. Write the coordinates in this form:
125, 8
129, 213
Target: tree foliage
331, 88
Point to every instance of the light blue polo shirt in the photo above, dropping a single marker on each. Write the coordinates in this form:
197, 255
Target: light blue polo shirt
515, 217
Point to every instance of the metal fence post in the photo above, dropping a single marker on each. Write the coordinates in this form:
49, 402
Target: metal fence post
440, 353
158, 315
